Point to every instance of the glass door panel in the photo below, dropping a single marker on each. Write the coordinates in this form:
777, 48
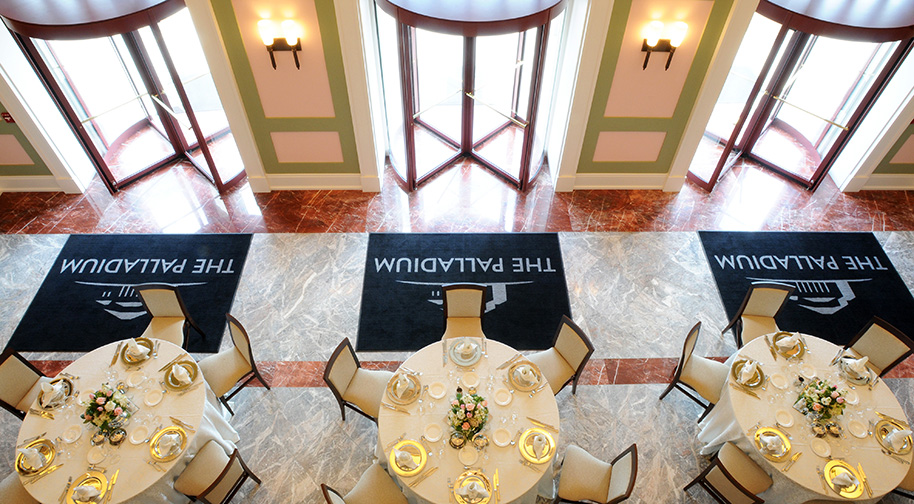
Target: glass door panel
495, 82
439, 82
393, 93
547, 87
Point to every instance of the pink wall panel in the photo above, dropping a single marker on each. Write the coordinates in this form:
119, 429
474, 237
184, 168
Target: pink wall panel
12, 153
307, 146
628, 146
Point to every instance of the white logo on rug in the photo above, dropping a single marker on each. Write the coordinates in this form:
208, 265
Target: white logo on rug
125, 304
499, 292
821, 296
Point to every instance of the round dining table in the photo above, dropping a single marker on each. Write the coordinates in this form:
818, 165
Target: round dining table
515, 412
742, 411
195, 409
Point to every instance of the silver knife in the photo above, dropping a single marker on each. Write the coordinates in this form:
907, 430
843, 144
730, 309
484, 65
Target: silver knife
422, 476
541, 424
774, 354
509, 361
29, 440
837, 356
395, 408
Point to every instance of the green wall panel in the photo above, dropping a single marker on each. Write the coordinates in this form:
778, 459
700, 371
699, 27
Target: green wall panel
263, 126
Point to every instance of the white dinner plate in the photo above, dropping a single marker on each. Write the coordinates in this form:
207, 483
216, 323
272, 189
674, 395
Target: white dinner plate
784, 418
820, 447
72, 433
136, 378
851, 397
470, 379
503, 397
96, 455
857, 428
433, 432
153, 397
468, 455
779, 381
139, 434
502, 437
807, 370
437, 390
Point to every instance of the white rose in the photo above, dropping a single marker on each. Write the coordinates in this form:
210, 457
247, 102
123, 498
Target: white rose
109, 406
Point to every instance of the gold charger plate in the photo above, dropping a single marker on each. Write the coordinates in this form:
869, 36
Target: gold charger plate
796, 352
132, 361
467, 478
776, 457
92, 478
154, 444
884, 428
67, 385
412, 393
47, 450
756, 380
520, 386
525, 445
173, 383
420, 457
836, 467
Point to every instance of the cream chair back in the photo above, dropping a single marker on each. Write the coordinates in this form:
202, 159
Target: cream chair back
689, 346
331, 496
161, 301
622, 477
203, 469
765, 301
743, 471
12, 491
572, 345
885, 345
464, 300
16, 378
343, 366
240, 338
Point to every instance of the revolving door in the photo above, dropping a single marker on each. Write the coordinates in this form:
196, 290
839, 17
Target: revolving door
468, 82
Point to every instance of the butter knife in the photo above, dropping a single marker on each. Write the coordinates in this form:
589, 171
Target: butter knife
741, 389
183, 424
509, 361
774, 355
422, 476
116, 353
176, 359
866, 483
541, 424
44, 472
29, 440
111, 486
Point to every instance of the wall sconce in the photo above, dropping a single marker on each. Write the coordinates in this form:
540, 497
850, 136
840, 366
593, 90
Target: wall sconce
289, 41
653, 43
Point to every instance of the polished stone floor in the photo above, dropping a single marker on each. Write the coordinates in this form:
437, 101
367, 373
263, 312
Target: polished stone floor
635, 293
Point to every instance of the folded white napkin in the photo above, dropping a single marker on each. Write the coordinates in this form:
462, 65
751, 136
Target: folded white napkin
401, 385
180, 374
896, 439
789, 342
540, 445
85, 493
474, 492
858, 366
51, 393
466, 349
169, 443
748, 372
844, 480
136, 351
771, 443
404, 460
32, 457
525, 374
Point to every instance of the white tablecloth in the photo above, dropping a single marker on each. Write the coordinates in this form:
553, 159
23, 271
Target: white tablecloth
137, 481
518, 483
737, 415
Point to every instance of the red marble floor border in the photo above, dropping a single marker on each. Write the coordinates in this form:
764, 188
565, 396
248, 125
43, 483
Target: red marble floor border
596, 372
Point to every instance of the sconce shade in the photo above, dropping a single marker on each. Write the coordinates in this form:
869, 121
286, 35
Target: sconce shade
677, 33
267, 29
291, 31
652, 33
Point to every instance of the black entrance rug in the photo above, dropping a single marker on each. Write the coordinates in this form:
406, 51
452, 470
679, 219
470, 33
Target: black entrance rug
88, 298
401, 296
842, 279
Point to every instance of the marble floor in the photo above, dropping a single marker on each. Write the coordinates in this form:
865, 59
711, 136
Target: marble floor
635, 293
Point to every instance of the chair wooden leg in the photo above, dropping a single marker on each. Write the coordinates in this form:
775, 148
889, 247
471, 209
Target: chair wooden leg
226, 404
668, 389
707, 410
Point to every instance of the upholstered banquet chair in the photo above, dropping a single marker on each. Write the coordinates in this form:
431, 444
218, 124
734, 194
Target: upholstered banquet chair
374, 487
232, 365
698, 374
170, 320
733, 477
354, 387
464, 305
12, 491
755, 316
20, 382
585, 478
564, 362
212, 476
883, 343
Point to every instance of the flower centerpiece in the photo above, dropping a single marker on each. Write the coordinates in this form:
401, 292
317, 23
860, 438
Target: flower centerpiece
821, 400
107, 409
468, 415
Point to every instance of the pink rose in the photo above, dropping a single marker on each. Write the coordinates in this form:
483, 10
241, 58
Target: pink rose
88, 418
454, 402
469, 415
118, 411
471, 407
108, 393
840, 400
465, 426
834, 395
817, 406
100, 400
485, 403
100, 408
